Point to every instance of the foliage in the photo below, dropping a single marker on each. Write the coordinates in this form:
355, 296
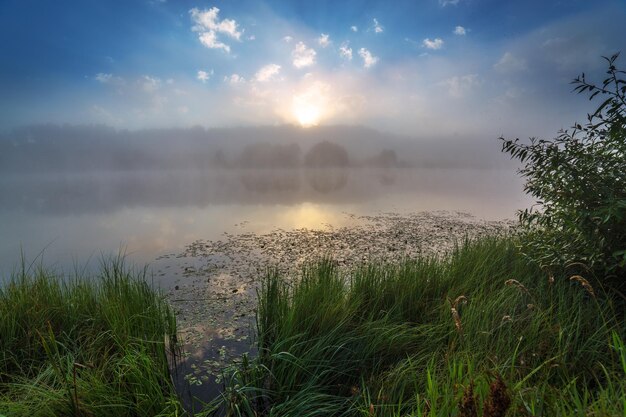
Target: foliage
481, 333
326, 154
85, 346
579, 179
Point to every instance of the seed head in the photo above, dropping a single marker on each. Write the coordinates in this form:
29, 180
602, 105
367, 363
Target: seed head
586, 285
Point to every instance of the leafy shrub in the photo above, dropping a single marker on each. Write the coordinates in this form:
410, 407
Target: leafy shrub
579, 179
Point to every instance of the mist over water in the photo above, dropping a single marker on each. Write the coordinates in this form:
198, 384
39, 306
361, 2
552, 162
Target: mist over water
75, 202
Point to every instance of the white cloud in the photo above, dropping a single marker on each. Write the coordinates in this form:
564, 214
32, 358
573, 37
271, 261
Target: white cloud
368, 59
108, 79
510, 63
209, 26
435, 44
460, 30
209, 39
150, 84
204, 75
251, 37
103, 77
303, 56
287, 38
444, 3
234, 79
207, 20
345, 51
267, 72
354, 28
459, 86
324, 40
377, 27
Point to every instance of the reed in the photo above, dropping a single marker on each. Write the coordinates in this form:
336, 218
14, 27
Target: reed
85, 346
379, 341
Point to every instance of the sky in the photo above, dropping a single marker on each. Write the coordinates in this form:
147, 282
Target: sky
422, 68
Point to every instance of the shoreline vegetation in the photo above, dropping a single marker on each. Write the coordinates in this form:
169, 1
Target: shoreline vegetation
85, 346
478, 333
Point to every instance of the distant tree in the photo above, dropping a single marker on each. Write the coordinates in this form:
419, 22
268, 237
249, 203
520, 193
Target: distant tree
326, 154
218, 159
387, 158
267, 155
579, 179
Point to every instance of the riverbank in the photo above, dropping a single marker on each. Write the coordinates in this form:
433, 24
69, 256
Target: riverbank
215, 295
432, 314
480, 332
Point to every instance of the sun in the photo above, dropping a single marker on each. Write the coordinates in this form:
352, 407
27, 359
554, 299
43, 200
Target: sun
311, 104
307, 114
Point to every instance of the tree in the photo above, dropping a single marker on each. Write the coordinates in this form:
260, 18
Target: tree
579, 179
326, 154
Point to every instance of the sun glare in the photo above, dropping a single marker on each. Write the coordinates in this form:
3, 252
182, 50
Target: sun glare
307, 115
311, 105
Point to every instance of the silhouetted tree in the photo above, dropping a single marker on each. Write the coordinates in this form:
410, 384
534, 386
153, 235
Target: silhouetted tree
326, 154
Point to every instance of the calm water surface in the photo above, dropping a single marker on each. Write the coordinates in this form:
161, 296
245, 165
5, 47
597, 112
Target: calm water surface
73, 219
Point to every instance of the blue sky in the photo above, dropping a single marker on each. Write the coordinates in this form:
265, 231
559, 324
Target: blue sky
421, 68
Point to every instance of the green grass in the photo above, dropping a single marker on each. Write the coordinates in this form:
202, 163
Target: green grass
383, 341
85, 346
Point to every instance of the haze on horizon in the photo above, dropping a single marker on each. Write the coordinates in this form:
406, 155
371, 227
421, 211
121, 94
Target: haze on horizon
436, 68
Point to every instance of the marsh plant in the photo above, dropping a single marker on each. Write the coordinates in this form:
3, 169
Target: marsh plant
85, 346
482, 332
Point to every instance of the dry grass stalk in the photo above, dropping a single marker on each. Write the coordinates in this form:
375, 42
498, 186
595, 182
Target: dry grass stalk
586, 285
468, 406
457, 319
458, 300
498, 400
516, 283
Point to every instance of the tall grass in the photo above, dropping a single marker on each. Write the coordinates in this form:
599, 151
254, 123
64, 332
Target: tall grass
85, 346
481, 332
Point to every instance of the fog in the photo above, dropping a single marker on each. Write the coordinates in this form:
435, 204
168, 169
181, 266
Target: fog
75, 191
67, 148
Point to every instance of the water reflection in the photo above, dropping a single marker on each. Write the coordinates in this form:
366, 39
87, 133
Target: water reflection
269, 182
327, 180
73, 194
75, 217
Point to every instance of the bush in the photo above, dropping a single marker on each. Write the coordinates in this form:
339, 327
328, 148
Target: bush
579, 179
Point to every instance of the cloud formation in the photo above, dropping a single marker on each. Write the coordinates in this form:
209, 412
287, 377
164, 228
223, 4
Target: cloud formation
510, 63
369, 60
109, 79
345, 51
204, 76
303, 56
354, 28
460, 30
103, 77
208, 25
459, 86
324, 40
234, 79
377, 27
267, 72
434, 44
150, 84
